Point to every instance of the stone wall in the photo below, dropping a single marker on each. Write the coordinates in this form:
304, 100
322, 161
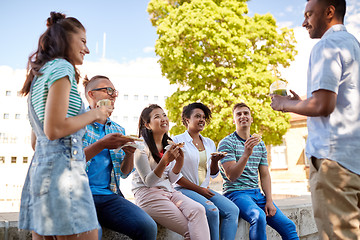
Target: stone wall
298, 209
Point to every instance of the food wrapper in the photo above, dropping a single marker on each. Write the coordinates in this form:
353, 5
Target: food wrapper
103, 102
171, 143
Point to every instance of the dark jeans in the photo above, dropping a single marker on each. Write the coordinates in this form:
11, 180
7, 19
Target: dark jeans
118, 214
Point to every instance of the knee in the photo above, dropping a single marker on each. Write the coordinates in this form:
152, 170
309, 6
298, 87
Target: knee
151, 227
232, 213
291, 225
211, 210
198, 209
147, 226
261, 218
258, 217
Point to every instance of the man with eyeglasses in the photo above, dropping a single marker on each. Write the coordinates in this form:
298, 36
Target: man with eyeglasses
105, 167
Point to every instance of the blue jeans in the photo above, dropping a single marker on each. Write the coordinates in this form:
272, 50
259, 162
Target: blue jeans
251, 204
120, 215
215, 206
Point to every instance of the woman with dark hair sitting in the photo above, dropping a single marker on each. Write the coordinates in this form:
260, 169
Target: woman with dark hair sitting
201, 163
156, 170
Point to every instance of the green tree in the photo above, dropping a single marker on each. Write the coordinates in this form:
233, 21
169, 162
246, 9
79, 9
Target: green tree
220, 56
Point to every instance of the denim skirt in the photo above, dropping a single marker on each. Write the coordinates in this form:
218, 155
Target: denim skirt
56, 197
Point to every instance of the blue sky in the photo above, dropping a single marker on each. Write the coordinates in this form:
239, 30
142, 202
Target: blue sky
129, 34
130, 38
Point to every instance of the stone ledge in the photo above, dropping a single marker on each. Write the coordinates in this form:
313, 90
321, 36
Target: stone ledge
298, 209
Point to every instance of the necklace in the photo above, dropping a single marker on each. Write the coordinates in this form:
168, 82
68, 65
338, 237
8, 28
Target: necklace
197, 146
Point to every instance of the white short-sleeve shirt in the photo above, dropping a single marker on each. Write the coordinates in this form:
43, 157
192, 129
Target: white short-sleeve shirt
335, 66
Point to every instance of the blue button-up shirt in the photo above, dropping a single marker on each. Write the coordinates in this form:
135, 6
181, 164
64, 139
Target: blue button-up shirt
92, 134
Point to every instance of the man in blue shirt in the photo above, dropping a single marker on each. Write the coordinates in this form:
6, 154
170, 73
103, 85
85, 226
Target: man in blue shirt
246, 157
105, 167
333, 111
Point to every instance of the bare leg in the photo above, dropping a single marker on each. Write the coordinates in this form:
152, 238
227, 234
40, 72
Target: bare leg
36, 236
90, 235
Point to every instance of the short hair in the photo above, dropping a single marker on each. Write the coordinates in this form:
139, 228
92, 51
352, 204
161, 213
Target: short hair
238, 105
89, 83
187, 111
340, 7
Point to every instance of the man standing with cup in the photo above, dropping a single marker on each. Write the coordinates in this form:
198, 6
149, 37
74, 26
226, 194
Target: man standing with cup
332, 107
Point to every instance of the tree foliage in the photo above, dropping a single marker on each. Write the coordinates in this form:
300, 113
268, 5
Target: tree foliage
218, 55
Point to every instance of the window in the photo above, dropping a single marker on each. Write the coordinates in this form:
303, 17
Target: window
13, 159
17, 116
126, 118
146, 97
2, 159
8, 93
278, 156
136, 97
156, 98
13, 139
25, 159
27, 140
3, 138
136, 119
6, 116
126, 97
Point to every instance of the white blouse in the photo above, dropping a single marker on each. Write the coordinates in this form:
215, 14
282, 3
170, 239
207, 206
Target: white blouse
192, 158
144, 175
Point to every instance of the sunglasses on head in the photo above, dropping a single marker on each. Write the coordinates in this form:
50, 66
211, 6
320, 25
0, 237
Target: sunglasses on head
110, 91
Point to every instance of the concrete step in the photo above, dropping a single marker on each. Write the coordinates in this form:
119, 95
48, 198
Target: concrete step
298, 209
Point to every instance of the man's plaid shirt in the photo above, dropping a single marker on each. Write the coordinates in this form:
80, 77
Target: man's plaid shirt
92, 134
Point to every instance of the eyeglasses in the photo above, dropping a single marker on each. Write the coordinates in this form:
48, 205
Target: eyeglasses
110, 91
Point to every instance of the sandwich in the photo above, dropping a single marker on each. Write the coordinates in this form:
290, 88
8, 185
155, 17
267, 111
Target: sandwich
218, 153
103, 102
133, 138
176, 144
258, 136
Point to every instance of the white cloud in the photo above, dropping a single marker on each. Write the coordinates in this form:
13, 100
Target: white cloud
352, 18
148, 49
289, 9
140, 75
296, 74
12, 78
285, 24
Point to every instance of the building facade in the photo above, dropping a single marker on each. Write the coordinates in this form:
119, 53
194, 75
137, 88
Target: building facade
15, 129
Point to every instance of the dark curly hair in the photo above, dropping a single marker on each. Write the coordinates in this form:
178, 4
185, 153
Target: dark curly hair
187, 111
